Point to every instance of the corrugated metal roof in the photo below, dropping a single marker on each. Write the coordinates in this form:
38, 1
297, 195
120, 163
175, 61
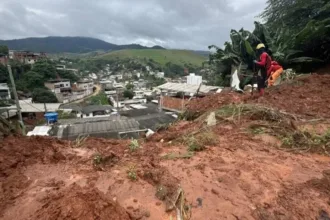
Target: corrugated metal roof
154, 121
37, 107
106, 129
183, 87
92, 119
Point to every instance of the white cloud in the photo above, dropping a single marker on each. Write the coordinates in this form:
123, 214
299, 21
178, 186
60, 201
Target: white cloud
190, 24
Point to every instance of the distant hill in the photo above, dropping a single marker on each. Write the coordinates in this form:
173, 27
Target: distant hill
202, 52
67, 45
160, 56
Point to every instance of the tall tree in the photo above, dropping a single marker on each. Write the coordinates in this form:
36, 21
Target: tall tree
4, 49
41, 95
46, 68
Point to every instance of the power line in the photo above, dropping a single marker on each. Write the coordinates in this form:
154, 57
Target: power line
33, 106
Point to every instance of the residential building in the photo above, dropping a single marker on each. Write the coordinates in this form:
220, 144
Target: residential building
4, 92
126, 124
89, 111
86, 85
116, 77
168, 91
107, 84
60, 67
26, 57
192, 79
127, 103
160, 75
3, 59
32, 113
62, 89
58, 85
63, 67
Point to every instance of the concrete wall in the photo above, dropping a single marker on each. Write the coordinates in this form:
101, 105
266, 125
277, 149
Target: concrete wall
173, 103
192, 79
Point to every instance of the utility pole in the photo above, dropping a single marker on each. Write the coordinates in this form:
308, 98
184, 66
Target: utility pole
16, 99
117, 99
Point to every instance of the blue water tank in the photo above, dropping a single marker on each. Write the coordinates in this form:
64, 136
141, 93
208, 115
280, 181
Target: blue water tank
51, 117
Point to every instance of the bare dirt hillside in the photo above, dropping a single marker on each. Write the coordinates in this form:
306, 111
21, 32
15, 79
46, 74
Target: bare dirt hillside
264, 159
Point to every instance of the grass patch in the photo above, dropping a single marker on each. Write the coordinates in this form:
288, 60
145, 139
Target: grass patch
198, 141
131, 173
160, 56
305, 141
99, 99
255, 112
256, 131
98, 160
134, 145
173, 156
80, 140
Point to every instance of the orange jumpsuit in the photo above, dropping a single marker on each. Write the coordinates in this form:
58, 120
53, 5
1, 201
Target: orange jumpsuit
275, 71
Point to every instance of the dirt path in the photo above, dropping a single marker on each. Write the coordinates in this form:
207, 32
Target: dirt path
97, 91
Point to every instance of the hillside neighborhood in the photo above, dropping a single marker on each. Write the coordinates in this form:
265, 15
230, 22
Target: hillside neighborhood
119, 125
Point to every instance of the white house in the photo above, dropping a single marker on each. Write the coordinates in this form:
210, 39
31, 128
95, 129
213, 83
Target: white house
192, 79
58, 85
4, 91
160, 75
86, 85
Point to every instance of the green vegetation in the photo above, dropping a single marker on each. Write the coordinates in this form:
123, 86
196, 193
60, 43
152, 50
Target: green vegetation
129, 86
32, 78
4, 50
42, 95
199, 141
134, 145
67, 45
162, 57
128, 94
99, 99
306, 141
173, 156
97, 160
295, 34
131, 173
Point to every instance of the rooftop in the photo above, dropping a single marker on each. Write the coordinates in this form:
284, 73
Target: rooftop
153, 121
57, 80
93, 108
85, 81
37, 107
94, 119
183, 87
4, 86
105, 129
86, 109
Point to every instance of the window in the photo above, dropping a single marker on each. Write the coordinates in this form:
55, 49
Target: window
61, 85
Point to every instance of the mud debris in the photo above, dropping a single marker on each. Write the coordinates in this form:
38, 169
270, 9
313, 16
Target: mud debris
240, 175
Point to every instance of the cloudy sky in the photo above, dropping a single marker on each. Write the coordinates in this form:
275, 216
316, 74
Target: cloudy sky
188, 24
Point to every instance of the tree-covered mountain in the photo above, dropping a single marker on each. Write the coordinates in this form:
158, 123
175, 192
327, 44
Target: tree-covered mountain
67, 44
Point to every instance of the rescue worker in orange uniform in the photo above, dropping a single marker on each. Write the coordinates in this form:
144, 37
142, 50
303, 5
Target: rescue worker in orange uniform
264, 64
275, 71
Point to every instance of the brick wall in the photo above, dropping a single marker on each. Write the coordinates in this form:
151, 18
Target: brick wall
174, 103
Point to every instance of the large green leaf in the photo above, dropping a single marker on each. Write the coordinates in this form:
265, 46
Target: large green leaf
305, 60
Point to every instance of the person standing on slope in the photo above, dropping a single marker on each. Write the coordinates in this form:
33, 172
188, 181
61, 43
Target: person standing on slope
275, 71
264, 64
